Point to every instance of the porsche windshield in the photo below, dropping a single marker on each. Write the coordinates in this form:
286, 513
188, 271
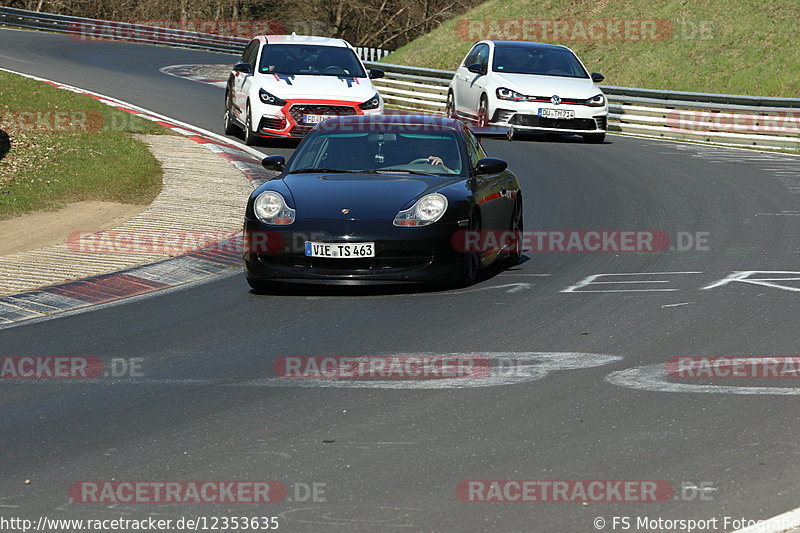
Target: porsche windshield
310, 60
380, 152
527, 59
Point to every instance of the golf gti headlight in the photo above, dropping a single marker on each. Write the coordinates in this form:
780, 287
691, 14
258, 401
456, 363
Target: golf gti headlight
507, 94
425, 211
270, 208
596, 101
271, 99
372, 103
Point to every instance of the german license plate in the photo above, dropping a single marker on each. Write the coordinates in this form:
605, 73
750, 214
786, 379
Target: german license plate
315, 119
340, 250
546, 112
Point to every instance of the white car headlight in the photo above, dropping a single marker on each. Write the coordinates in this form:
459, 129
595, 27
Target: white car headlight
271, 99
507, 94
597, 100
270, 208
372, 103
424, 212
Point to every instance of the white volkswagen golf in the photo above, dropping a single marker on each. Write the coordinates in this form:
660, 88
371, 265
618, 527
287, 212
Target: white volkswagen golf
285, 85
529, 87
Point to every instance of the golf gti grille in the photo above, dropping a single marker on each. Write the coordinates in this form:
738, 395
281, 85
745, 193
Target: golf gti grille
535, 121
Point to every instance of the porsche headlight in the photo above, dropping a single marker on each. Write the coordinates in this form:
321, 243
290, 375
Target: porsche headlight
372, 103
270, 208
507, 94
271, 99
424, 212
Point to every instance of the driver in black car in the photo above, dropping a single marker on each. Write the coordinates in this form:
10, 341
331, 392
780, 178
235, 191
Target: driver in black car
447, 155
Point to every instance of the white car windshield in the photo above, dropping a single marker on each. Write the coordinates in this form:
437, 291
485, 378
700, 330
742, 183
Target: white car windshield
527, 59
310, 60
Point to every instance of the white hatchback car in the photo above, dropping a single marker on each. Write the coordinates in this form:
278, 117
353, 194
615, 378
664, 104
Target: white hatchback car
285, 85
529, 87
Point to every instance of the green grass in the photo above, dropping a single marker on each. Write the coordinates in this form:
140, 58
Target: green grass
92, 157
735, 47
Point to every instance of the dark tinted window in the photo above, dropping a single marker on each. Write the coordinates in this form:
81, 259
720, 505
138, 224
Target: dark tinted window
314, 60
472, 57
483, 55
474, 148
524, 59
379, 151
249, 53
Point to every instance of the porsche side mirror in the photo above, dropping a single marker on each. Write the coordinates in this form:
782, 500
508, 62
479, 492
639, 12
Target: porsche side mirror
490, 165
477, 69
274, 162
244, 68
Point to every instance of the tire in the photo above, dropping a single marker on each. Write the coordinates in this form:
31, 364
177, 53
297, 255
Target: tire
450, 106
229, 125
470, 261
483, 112
594, 138
517, 226
250, 138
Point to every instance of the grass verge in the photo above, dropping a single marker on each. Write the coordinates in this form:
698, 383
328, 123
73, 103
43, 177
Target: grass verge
68, 147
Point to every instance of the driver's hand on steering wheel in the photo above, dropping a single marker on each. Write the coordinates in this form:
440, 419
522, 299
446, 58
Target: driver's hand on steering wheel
434, 160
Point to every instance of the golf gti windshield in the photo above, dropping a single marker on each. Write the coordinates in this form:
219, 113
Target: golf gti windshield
390, 151
524, 58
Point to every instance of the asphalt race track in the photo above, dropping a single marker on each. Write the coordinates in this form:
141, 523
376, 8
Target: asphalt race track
390, 457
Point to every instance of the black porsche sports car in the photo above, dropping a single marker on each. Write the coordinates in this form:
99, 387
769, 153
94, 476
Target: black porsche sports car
386, 198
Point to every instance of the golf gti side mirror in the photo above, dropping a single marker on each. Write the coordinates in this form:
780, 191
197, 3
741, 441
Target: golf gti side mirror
477, 68
597, 77
375, 73
244, 68
274, 162
490, 165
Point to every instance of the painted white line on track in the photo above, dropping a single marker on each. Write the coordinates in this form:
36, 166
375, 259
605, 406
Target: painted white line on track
507, 368
654, 378
510, 368
110, 100
777, 524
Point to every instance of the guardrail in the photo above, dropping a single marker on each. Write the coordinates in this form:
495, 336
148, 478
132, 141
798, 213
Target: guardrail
719, 118
706, 117
94, 29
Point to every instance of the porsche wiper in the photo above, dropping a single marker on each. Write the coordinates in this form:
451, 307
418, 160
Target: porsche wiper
403, 170
318, 170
